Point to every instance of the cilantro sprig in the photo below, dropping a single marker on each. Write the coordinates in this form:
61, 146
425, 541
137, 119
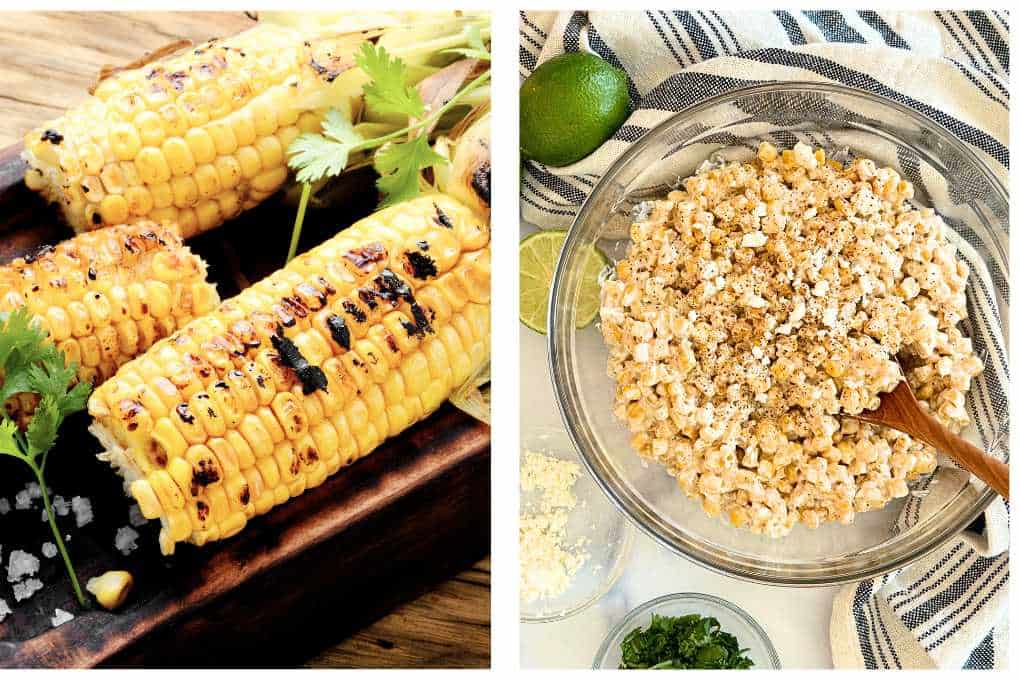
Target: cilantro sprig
691, 641
402, 154
29, 363
476, 46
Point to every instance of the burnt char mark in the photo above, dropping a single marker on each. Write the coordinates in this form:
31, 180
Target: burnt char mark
52, 136
424, 245
442, 218
363, 258
368, 296
339, 330
245, 496
480, 182
41, 251
92, 274
420, 265
392, 288
177, 80
202, 510
421, 320
391, 342
97, 218
328, 74
295, 306
312, 378
355, 312
327, 287
206, 473
184, 413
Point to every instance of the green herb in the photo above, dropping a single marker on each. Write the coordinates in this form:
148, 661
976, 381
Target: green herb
406, 151
476, 46
677, 642
28, 363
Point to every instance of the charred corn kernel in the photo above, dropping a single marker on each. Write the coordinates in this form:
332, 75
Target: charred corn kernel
235, 104
242, 425
97, 293
111, 589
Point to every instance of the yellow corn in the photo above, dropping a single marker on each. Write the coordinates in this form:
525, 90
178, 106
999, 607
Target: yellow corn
215, 424
192, 138
106, 296
111, 588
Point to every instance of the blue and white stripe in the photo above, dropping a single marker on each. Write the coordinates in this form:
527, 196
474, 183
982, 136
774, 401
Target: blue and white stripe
949, 609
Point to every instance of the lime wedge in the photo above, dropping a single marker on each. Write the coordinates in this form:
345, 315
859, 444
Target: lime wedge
538, 255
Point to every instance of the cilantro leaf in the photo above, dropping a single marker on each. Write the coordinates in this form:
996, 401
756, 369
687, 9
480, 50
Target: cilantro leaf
42, 429
22, 344
476, 46
399, 166
8, 438
388, 92
315, 156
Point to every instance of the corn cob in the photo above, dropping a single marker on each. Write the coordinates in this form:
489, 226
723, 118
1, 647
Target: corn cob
302, 373
193, 138
107, 296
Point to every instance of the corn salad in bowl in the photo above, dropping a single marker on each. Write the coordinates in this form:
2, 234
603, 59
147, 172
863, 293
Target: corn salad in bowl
780, 253
760, 301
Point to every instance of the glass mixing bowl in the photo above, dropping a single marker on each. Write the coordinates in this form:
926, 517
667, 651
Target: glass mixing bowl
732, 619
948, 177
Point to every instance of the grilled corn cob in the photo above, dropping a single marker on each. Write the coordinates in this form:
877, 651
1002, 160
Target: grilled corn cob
193, 138
107, 296
302, 373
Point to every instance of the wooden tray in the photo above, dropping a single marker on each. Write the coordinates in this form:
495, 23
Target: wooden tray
318, 568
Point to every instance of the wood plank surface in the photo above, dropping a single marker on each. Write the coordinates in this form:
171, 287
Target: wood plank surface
405, 613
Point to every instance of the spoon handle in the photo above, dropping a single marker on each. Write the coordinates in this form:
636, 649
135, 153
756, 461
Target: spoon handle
988, 469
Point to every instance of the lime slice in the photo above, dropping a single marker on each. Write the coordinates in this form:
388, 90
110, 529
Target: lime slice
538, 255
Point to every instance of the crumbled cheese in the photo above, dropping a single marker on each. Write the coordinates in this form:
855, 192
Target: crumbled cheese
5, 610
26, 589
5, 506
21, 564
125, 541
82, 508
60, 617
549, 560
49, 550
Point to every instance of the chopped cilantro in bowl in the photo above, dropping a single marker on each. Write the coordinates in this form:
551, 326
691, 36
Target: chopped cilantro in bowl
681, 642
687, 631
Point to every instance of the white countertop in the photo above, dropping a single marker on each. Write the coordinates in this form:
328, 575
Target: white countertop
796, 619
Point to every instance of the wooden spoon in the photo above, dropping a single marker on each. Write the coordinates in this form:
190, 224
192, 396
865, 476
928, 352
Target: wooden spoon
900, 411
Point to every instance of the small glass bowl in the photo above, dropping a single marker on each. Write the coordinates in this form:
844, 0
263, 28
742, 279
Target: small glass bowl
732, 619
610, 536
948, 177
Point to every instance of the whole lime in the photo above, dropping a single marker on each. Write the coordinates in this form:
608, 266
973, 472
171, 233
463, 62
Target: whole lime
570, 105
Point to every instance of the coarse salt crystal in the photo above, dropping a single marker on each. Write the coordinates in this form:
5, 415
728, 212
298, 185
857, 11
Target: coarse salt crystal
60, 617
125, 541
82, 508
21, 564
26, 589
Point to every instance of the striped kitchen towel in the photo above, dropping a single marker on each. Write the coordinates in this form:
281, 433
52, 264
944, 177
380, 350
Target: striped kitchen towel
949, 609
